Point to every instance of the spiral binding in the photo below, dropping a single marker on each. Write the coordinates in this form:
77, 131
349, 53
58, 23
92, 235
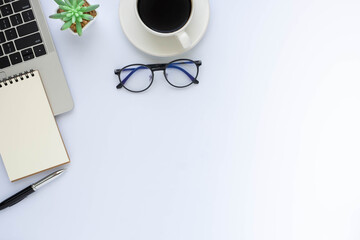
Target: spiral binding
16, 78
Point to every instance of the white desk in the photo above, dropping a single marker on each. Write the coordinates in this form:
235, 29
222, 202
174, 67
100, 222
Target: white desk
266, 147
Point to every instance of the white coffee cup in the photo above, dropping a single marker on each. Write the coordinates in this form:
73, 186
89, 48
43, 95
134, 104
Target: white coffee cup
181, 34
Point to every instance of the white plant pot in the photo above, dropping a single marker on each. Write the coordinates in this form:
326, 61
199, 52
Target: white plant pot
84, 28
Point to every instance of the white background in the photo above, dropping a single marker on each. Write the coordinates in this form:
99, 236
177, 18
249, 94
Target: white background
265, 147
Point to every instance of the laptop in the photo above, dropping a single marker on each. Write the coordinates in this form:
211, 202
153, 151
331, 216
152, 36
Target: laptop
25, 44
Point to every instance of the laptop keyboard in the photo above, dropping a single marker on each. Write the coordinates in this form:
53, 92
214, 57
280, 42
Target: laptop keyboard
20, 39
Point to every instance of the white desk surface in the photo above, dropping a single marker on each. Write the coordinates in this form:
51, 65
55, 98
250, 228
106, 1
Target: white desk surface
266, 147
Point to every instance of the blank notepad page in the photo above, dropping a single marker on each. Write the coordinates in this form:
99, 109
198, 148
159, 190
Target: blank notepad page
30, 141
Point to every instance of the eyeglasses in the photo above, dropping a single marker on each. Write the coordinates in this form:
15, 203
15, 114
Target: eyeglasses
139, 77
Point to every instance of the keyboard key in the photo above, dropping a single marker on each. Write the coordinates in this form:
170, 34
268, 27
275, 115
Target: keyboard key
6, 10
2, 37
1, 52
28, 15
4, 23
16, 19
11, 34
4, 62
26, 51
27, 54
28, 41
27, 28
1, 2
39, 50
15, 58
21, 5
8, 47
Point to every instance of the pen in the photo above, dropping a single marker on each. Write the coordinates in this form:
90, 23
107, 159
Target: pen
14, 199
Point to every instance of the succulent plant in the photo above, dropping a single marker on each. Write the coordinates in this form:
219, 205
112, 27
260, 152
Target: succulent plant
74, 12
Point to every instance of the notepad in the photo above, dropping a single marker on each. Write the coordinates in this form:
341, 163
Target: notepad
30, 141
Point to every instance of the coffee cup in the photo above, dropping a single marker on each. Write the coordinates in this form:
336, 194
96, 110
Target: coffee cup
166, 18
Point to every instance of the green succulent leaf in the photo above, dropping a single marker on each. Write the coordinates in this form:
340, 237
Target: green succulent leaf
79, 28
87, 17
65, 19
68, 3
81, 2
66, 25
59, 2
73, 3
89, 8
73, 19
57, 16
65, 8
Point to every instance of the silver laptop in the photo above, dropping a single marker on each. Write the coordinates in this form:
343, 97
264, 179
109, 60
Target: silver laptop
25, 43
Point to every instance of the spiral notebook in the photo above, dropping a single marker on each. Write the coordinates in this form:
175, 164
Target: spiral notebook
30, 141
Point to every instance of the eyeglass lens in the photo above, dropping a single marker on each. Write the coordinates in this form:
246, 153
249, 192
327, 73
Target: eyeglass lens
181, 73
136, 78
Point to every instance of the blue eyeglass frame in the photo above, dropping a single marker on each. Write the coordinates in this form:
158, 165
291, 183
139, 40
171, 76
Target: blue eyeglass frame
158, 67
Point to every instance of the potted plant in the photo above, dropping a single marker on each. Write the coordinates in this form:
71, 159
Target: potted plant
75, 13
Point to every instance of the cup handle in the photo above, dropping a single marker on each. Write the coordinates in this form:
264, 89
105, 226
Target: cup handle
184, 39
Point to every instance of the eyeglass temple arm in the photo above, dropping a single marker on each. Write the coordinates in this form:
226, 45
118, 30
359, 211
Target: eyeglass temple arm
198, 63
162, 66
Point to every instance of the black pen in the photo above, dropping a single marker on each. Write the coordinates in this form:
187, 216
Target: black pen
14, 199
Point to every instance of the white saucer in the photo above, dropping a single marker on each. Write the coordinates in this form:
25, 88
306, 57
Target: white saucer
162, 46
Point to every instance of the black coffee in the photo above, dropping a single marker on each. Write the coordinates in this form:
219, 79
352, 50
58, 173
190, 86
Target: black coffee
164, 16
